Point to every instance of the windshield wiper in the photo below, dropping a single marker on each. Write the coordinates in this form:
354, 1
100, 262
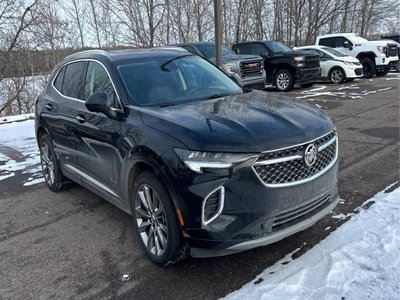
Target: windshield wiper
215, 96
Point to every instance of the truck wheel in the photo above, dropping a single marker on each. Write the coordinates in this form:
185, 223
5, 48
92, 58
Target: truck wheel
52, 174
382, 72
368, 67
156, 220
283, 80
336, 75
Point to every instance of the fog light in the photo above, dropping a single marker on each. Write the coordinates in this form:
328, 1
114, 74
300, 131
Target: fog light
212, 206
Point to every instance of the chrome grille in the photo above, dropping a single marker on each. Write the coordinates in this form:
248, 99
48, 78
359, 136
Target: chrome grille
287, 166
299, 211
311, 62
392, 50
251, 68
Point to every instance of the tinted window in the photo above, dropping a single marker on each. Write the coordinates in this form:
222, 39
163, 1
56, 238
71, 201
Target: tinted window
59, 80
335, 52
190, 49
208, 50
242, 49
329, 42
339, 41
259, 50
97, 80
162, 81
73, 80
277, 47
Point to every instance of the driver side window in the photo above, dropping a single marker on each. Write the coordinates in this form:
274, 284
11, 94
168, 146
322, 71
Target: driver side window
259, 50
97, 80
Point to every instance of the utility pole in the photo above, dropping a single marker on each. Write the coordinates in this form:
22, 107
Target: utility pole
218, 32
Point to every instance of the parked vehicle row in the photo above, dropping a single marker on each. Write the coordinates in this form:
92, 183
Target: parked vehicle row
336, 57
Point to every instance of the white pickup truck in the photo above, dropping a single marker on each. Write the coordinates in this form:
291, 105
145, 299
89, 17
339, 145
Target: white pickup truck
377, 57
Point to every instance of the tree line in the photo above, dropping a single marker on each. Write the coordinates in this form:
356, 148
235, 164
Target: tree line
36, 34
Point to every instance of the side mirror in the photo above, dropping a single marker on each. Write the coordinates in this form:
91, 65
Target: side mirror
98, 102
237, 51
348, 45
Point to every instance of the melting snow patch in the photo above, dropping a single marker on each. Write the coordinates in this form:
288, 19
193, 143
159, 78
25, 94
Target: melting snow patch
360, 260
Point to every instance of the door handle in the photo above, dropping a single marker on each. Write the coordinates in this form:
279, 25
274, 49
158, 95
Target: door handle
80, 118
49, 106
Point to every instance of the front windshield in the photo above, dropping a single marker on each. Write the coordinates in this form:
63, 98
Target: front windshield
172, 80
277, 47
208, 50
334, 52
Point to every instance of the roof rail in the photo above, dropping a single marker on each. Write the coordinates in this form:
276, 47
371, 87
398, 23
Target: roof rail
94, 51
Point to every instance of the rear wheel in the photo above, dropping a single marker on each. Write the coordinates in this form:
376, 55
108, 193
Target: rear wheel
382, 72
368, 67
336, 75
283, 80
156, 220
53, 176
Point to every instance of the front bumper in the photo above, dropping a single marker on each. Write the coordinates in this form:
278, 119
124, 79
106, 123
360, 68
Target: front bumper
251, 208
384, 62
355, 72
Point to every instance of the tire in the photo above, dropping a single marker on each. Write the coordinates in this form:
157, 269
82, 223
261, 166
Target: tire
283, 81
336, 75
307, 85
156, 221
368, 67
382, 72
52, 174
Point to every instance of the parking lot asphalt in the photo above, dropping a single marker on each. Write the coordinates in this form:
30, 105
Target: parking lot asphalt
75, 245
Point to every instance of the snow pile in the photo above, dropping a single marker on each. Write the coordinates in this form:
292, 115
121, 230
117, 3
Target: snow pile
19, 153
16, 118
360, 260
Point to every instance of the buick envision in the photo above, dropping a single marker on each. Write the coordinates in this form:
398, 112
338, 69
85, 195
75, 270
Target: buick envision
203, 167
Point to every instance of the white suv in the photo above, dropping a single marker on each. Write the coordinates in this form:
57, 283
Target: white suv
377, 57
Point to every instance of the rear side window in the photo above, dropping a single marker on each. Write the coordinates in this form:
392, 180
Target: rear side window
73, 80
59, 80
329, 42
259, 50
97, 80
242, 49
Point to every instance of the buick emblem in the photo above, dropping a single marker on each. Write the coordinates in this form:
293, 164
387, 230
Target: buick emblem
310, 155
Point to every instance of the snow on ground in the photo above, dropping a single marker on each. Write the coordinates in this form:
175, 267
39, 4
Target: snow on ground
16, 118
19, 153
360, 260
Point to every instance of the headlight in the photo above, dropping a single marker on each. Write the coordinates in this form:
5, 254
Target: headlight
230, 68
196, 160
298, 58
347, 63
381, 49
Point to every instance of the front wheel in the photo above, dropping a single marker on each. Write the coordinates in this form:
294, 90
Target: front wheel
156, 220
53, 176
382, 72
368, 67
284, 80
336, 75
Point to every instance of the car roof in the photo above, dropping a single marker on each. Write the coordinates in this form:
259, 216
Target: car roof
127, 54
337, 34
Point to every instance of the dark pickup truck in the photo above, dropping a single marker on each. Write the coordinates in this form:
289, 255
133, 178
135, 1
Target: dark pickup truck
284, 67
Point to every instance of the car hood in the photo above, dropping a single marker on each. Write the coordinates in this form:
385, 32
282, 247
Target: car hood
348, 58
383, 43
235, 58
293, 53
250, 122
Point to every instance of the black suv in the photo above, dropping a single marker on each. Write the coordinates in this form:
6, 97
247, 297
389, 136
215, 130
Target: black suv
246, 70
200, 165
284, 67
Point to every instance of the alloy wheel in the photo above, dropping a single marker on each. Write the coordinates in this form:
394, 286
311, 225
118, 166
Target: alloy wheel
151, 220
337, 76
47, 161
283, 81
